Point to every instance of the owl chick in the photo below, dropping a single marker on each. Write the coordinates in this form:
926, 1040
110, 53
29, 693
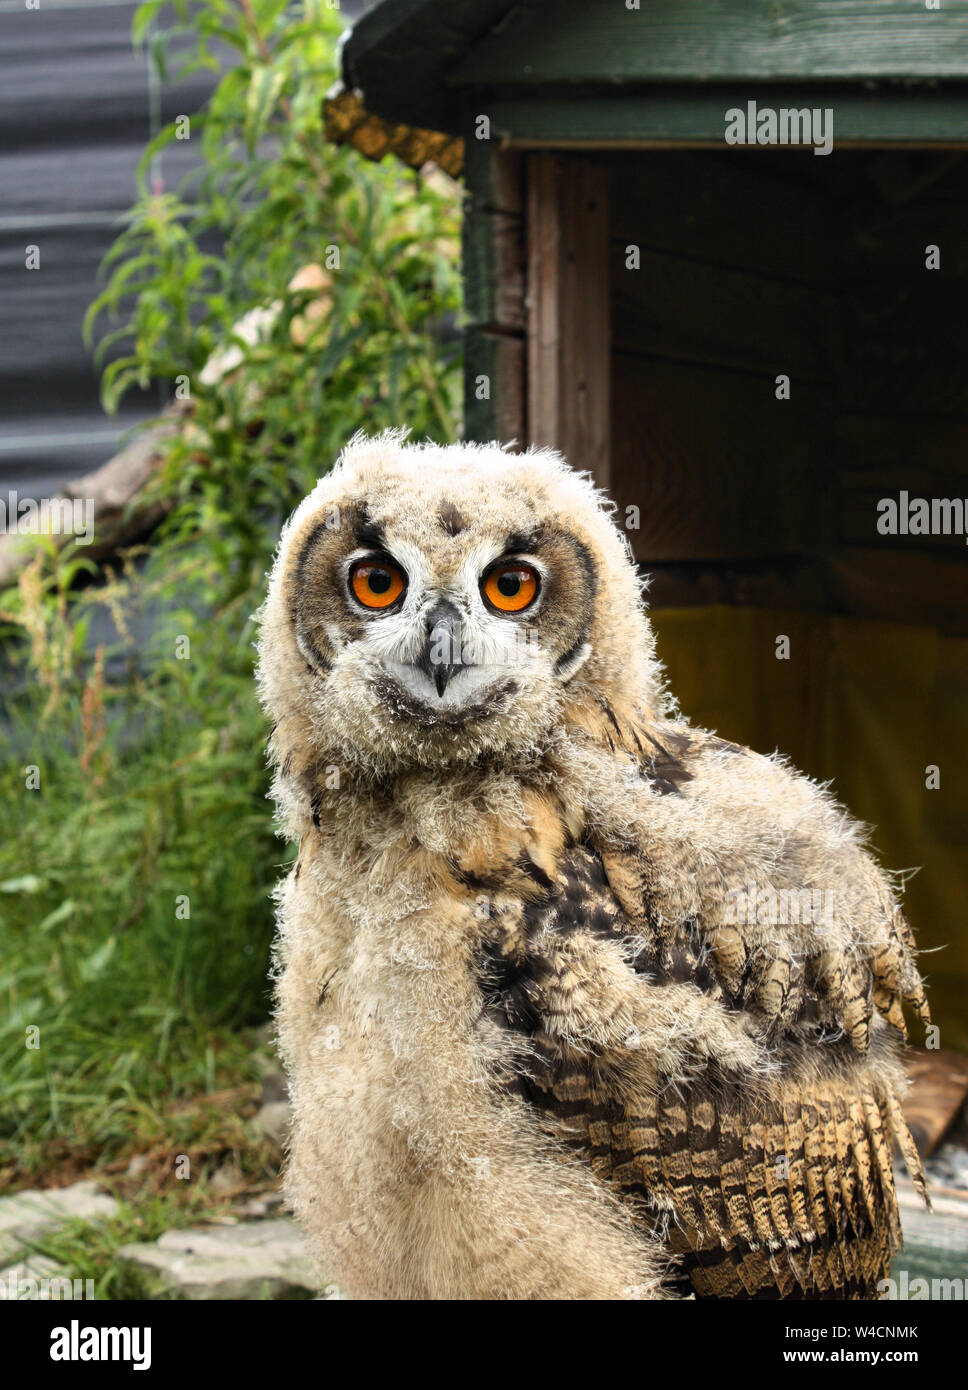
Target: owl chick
577, 1001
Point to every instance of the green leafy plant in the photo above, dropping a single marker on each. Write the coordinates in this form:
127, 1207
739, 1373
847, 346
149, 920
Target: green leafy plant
330, 305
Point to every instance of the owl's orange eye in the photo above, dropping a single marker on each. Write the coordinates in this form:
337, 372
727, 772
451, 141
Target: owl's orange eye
512, 587
376, 583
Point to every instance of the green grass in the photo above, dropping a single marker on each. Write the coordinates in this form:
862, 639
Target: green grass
88, 1249
135, 920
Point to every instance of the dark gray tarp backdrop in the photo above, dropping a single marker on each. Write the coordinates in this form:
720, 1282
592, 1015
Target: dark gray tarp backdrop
77, 106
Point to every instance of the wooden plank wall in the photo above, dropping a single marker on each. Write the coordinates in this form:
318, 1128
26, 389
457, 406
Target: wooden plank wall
750, 267
568, 305
747, 265
494, 258
732, 289
903, 372
537, 300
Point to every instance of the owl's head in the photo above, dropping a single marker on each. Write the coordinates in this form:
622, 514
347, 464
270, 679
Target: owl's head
430, 605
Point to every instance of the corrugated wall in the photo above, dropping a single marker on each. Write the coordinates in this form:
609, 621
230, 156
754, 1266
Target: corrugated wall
77, 105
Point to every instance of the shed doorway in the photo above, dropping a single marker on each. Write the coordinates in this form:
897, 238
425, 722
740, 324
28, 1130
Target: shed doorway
754, 505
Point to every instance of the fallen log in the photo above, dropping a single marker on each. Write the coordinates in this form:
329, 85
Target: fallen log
121, 514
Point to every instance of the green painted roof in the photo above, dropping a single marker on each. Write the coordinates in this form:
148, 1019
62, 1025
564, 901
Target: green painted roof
720, 40
401, 53
415, 61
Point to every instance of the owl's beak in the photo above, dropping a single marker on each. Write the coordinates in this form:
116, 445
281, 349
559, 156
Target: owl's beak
441, 654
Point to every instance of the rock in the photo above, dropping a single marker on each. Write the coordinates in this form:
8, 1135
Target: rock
259, 1259
273, 1116
25, 1279
27, 1216
265, 1205
30, 1280
273, 1120
226, 1179
271, 1075
274, 1086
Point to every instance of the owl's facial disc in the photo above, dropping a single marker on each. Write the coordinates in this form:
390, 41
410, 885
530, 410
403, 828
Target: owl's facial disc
429, 640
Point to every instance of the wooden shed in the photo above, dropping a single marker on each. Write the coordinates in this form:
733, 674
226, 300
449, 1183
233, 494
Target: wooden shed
717, 252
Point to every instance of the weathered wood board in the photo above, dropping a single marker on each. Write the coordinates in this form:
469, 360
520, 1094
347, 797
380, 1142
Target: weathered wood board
494, 404
691, 114
569, 305
719, 40
896, 344
939, 1089
494, 257
935, 1243
924, 590
741, 208
718, 467
692, 310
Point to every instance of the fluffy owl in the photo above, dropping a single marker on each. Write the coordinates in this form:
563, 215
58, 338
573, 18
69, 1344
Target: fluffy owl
576, 1000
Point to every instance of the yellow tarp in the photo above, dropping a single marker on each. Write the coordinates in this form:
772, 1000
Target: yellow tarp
868, 706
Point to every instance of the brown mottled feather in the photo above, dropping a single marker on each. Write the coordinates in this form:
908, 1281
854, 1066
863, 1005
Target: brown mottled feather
798, 1192
905, 1142
773, 1193
704, 1151
674, 1136
732, 1174
881, 1149
754, 1154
